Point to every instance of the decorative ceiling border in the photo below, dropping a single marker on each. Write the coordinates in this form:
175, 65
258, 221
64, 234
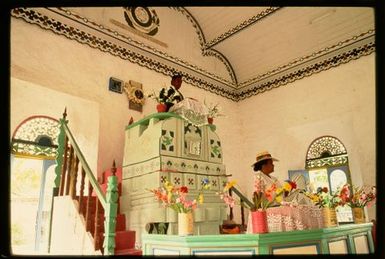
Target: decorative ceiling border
241, 26
317, 62
202, 42
311, 68
306, 58
85, 21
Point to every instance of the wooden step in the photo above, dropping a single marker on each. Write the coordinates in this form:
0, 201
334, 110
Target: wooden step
124, 239
120, 222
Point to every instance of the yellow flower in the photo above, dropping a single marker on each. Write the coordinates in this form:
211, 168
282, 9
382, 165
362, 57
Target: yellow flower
200, 198
229, 185
278, 198
168, 186
206, 187
279, 190
287, 186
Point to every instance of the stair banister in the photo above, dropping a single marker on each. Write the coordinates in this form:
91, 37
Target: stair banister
87, 169
108, 201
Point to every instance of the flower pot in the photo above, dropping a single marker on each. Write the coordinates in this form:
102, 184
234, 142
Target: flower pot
185, 224
329, 217
259, 222
161, 107
358, 215
210, 120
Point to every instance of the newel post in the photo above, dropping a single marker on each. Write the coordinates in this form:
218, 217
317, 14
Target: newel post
110, 212
60, 150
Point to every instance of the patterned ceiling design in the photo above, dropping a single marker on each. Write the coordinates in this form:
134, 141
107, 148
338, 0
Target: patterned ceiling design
259, 48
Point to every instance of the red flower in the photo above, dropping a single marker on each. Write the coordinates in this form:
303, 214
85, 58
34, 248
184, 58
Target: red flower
293, 185
325, 189
183, 189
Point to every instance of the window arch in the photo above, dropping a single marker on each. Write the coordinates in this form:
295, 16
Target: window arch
326, 151
36, 136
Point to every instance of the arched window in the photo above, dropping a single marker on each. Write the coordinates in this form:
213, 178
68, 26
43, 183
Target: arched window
328, 166
326, 151
36, 137
33, 147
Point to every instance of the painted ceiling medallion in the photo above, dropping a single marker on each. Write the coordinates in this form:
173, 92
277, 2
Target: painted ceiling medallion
142, 19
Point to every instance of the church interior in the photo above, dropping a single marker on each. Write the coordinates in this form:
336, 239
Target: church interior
297, 82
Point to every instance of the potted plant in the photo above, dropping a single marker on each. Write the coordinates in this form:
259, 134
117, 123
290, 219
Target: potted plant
161, 99
213, 112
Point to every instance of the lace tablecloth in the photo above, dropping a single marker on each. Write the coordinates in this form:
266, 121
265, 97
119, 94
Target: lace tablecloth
287, 218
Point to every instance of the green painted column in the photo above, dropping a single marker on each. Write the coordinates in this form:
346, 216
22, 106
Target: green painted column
110, 212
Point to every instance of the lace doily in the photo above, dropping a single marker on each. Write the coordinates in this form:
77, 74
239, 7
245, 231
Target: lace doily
192, 111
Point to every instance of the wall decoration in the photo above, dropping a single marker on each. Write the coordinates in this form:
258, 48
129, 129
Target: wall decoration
115, 85
143, 19
135, 95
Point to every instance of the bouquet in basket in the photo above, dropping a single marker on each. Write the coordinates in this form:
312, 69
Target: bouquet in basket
362, 196
325, 199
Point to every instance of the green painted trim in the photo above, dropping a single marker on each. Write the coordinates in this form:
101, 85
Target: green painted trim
159, 115
86, 167
110, 213
60, 152
325, 246
370, 241
265, 243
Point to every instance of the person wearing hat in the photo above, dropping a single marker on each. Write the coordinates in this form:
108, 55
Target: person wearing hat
172, 94
264, 167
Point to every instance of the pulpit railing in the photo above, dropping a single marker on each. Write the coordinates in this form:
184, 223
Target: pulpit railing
94, 206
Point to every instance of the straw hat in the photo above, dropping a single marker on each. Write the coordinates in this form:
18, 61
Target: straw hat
263, 156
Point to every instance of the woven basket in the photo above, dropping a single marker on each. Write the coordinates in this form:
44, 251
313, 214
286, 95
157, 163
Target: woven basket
329, 217
358, 215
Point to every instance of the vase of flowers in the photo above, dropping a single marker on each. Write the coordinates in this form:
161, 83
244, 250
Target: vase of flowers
263, 198
176, 198
161, 100
213, 112
329, 202
185, 224
360, 198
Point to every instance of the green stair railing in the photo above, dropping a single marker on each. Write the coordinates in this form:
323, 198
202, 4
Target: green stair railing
92, 208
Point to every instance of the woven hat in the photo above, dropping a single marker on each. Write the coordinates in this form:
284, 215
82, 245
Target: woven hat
263, 156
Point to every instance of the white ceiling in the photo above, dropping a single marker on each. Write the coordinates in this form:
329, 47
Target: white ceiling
280, 37
260, 47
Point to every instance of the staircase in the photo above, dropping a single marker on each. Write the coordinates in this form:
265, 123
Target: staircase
124, 239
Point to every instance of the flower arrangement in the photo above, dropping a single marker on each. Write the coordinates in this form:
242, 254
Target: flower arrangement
213, 110
263, 198
324, 199
159, 97
362, 196
176, 197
